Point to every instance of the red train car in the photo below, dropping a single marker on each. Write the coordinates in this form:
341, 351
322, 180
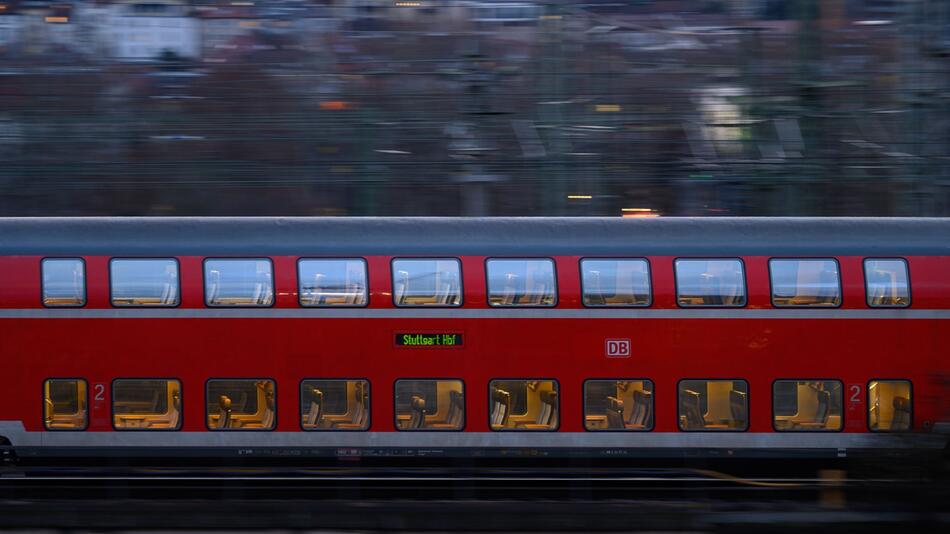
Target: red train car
388, 336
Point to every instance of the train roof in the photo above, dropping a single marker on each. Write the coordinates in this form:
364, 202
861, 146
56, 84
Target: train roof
671, 236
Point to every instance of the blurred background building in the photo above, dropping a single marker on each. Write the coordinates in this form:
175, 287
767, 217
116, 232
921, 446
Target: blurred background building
475, 107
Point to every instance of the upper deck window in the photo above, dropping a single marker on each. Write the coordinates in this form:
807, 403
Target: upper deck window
887, 283
239, 282
144, 282
521, 282
805, 282
64, 282
710, 282
615, 282
427, 282
332, 282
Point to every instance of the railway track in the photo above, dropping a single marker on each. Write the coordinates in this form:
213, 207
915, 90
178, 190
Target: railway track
443, 499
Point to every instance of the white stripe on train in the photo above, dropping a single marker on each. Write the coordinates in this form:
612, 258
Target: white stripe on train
19, 437
461, 313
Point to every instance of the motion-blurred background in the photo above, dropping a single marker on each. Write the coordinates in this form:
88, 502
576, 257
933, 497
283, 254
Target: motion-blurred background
475, 107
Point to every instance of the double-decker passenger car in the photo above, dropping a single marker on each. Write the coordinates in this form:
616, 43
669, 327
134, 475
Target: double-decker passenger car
390, 336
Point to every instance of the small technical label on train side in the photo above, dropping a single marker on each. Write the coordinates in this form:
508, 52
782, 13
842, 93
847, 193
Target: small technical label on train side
617, 348
417, 340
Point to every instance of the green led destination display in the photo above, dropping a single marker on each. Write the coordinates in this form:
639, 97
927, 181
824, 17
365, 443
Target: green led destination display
428, 340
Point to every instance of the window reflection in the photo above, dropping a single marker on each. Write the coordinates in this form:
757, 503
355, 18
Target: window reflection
64, 282
239, 282
427, 282
144, 282
805, 282
521, 282
710, 283
887, 283
332, 282
609, 282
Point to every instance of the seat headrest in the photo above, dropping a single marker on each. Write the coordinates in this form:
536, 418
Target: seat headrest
615, 404
417, 403
549, 397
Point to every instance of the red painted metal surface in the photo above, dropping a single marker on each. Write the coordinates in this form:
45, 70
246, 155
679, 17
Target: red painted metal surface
570, 350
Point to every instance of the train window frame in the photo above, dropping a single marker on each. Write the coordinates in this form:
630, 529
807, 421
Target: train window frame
181, 412
369, 417
584, 405
366, 290
557, 285
745, 283
465, 403
580, 270
204, 281
679, 406
43, 404
85, 282
805, 306
392, 280
245, 379
867, 292
145, 258
814, 430
867, 402
557, 388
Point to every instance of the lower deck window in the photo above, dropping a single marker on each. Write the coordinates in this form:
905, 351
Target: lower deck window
146, 404
430, 405
713, 405
807, 405
540, 408
248, 404
889, 405
618, 404
334, 404
65, 404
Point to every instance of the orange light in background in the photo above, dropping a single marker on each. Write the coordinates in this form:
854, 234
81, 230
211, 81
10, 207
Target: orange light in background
57, 20
408, 4
638, 213
607, 108
249, 24
334, 105
579, 197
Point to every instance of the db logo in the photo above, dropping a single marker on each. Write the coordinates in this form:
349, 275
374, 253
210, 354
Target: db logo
618, 348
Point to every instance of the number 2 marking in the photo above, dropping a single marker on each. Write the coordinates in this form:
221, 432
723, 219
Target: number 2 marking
855, 392
100, 392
